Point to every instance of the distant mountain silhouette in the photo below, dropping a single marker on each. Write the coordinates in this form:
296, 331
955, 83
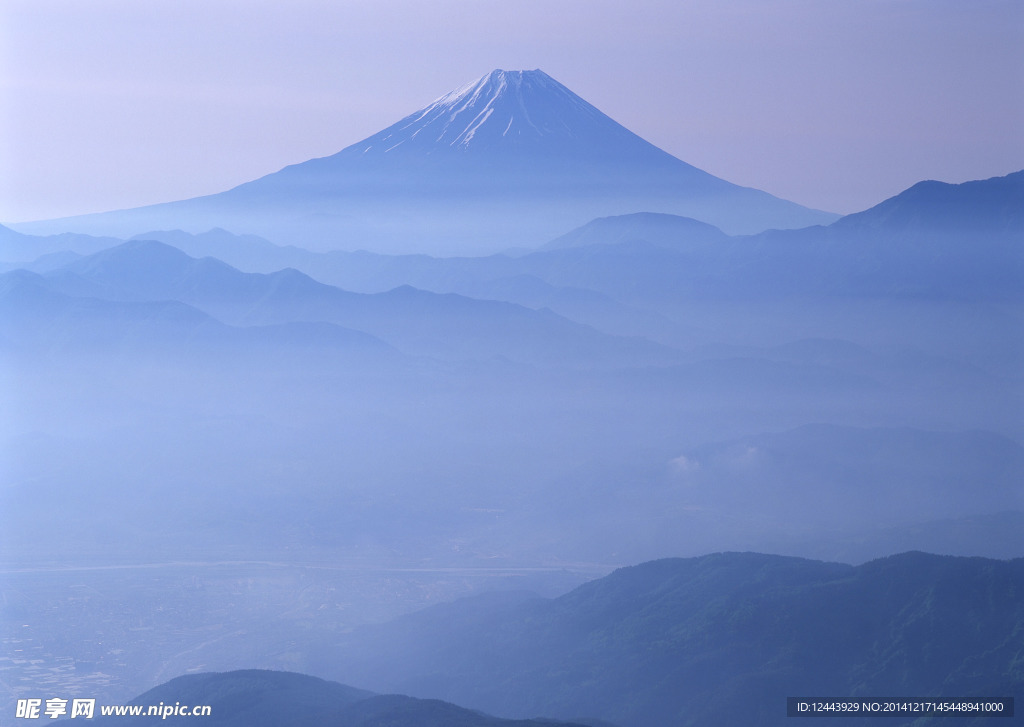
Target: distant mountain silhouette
258, 698
34, 316
40, 317
661, 229
16, 247
934, 240
906, 247
993, 205
994, 535
721, 639
512, 159
415, 321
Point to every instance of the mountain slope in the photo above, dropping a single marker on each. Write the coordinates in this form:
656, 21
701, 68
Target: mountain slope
418, 322
658, 229
16, 247
721, 639
41, 319
992, 206
513, 159
514, 113
258, 698
906, 247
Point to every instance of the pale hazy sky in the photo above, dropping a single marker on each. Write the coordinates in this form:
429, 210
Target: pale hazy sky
835, 104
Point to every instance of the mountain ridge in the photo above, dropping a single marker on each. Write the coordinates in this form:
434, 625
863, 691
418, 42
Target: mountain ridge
419, 322
717, 639
901, 245
513, 159
265, 698
994, 205
473, 115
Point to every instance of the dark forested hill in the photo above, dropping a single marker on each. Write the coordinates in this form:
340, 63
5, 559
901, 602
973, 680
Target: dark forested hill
721, 639
256, 698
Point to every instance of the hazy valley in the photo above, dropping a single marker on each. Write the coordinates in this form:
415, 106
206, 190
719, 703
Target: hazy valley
247, 430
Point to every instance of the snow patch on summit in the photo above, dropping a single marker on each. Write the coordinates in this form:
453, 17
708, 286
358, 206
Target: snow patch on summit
502, 109
465, 137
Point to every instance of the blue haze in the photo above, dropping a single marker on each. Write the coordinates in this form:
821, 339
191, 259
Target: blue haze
228, 444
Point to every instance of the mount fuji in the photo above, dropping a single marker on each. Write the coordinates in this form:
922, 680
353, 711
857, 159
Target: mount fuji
512, 159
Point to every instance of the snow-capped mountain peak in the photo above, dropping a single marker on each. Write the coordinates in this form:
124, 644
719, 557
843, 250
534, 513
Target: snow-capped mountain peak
503, 110
512, 159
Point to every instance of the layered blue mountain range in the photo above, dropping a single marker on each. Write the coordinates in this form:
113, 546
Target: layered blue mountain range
512, 159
